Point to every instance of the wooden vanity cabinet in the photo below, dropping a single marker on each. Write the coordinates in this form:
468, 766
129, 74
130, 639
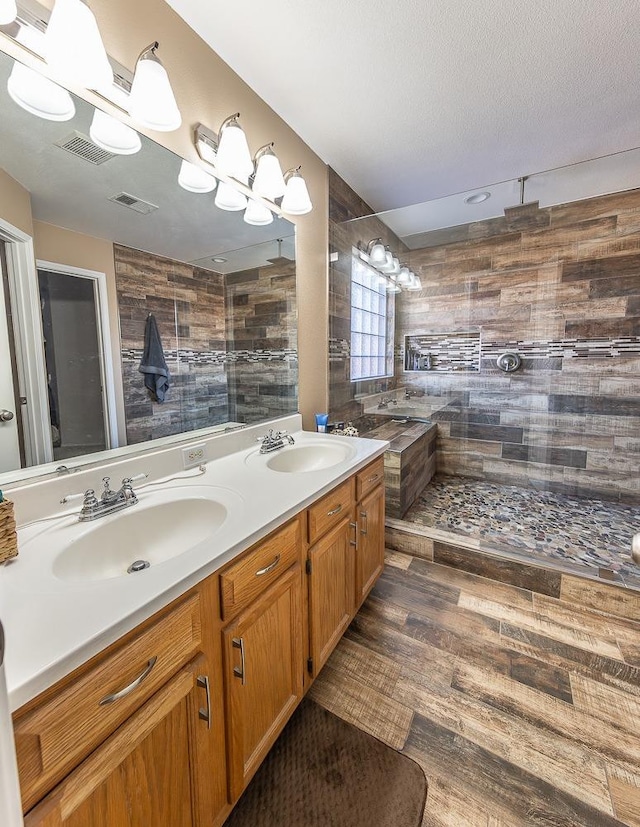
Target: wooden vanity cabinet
370, 523
263, 649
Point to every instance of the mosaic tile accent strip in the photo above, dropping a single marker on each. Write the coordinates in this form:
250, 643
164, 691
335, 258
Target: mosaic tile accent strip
339, 349
567, 348
442, 352
542, 525
217, 357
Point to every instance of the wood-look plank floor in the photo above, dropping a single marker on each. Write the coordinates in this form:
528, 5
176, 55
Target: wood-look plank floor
521, 710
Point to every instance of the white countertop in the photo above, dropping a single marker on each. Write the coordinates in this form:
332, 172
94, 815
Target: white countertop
53, 626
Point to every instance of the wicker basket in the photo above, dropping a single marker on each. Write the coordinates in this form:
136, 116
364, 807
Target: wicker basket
8, 536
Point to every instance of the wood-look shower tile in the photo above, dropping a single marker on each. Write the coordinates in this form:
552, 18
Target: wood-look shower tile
539, 621
553, 758
599, 623
409, 542
552, 680
373, 712
530, 799
625, 794
408, 589
374, 670
601, 597
548, 715
630, 647
473, 583
607, 703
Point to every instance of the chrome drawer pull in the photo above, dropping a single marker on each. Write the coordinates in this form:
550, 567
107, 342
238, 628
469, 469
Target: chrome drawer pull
374, 478
239, 671
115, 696
363, 530
205, 712
354, 526
270, 567
335, 510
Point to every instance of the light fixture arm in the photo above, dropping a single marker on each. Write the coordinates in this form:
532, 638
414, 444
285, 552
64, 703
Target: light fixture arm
521, 181
227, 121
267, 149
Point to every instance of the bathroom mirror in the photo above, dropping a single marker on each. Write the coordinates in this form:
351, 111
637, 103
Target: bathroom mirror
116, 239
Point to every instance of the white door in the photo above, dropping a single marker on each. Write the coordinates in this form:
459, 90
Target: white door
9, 445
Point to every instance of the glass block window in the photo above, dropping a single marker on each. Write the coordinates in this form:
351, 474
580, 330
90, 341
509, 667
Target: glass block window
371, 324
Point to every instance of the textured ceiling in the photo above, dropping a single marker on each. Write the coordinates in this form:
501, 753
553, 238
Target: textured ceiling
413, 100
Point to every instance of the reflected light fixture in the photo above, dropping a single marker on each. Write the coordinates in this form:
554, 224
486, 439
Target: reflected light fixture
8, 11
257, 214
194, 179
152, 102
229, 198
73, 47
34, 92
112, 135
296, 199
377, 252
233, 157
269, 180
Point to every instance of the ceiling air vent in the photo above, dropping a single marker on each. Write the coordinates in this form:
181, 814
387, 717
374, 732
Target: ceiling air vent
133, 203
78, 144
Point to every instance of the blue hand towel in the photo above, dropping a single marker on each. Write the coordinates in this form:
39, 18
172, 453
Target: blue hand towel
153, 364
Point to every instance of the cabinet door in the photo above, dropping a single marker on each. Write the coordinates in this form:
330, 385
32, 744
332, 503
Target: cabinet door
370, 551
331, 591
263, 671
142, 775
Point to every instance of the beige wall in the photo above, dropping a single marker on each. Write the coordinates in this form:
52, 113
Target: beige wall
208, 91
59, 246
15, 204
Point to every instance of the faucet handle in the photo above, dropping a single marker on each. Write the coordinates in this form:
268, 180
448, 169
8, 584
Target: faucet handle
106, 488
84, 495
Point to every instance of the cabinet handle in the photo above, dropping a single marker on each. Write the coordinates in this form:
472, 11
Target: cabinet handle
363, 530
354, 542
270, 567
335, 510
115, 696
239, 671
205, 712
374, 478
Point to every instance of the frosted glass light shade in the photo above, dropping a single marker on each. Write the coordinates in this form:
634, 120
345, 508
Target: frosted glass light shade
386, 266
195, 179
113, 135
296, 199
8, 11
73, 46
257, 214
269, 180
377, 254
39, 95
233, 157
404, 276
152, 102
229, 198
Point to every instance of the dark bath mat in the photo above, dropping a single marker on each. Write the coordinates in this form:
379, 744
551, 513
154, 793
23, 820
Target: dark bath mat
324, 772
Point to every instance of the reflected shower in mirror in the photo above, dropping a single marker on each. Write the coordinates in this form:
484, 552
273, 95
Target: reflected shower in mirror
102, 239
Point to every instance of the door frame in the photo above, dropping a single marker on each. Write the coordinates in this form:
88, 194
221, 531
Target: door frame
24, 295
99, 280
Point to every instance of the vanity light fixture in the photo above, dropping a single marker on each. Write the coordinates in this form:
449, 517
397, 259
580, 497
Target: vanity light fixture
194, 179
377, 252
73, 47
257, 213
296, 199
229, 198
233, 157
8, 11
112, 135
151, 101
269, 180
415, 283
34, 92
404, 276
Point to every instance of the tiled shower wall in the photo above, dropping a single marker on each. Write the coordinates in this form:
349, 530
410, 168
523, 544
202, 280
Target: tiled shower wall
346, 232
561, 287
188, 304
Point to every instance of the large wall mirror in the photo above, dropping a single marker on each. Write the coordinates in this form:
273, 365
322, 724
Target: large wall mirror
94, 247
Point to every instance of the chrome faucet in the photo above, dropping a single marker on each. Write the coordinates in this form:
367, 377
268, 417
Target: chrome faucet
274, 440
110, 500
386, 401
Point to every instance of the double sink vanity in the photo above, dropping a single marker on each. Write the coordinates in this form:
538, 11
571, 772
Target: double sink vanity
155, 653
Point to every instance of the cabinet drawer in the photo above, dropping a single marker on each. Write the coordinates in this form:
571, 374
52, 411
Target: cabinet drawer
245, 580
369, 477
53, 738
328, 511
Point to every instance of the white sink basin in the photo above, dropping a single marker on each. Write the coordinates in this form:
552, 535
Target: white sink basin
314, 455
164, 524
